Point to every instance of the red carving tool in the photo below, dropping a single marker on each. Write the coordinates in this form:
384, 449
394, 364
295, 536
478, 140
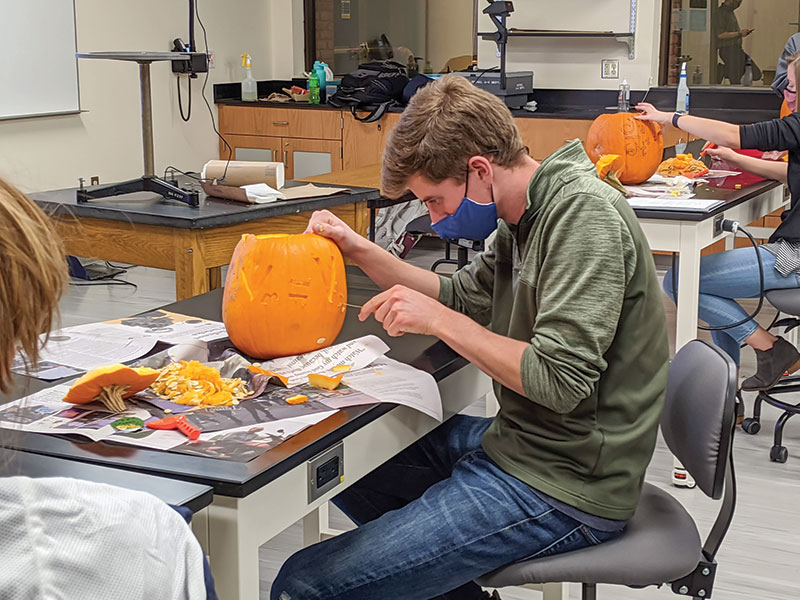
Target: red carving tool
178, 422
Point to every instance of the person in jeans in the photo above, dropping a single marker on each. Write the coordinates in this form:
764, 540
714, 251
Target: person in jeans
63, 537
734, 273
562, 311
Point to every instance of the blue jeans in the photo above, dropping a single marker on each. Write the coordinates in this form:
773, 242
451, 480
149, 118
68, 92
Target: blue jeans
430, 521
728, 275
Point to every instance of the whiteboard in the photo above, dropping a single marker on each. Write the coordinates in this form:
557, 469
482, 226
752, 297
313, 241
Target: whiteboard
38, 68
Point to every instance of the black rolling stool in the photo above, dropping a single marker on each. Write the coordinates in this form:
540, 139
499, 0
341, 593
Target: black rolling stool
422, 225
786, 302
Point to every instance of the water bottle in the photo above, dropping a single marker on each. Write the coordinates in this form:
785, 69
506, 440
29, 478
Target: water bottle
747, 78
249, 84
682, 101
624, 98
313, 88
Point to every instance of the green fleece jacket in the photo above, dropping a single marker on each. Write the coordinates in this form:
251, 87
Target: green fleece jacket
575, 279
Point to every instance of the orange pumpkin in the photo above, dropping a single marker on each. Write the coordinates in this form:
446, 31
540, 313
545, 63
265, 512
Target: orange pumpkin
284, 294
785, 109
111, 385
638, 143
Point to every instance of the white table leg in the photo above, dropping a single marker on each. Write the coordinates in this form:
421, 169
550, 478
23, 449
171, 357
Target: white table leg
555, 591
233, 550
688, 287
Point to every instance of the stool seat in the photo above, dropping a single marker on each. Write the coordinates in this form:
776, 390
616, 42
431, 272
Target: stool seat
660, 544
787, 301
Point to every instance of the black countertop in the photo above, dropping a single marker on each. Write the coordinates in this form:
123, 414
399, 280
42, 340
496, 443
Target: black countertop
237, 479
733, 104
151, 209
178, 493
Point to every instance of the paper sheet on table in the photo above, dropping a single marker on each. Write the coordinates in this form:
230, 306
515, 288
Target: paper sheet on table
356, 354
46, 412
393, 381
85, 347
172, 328
670, 203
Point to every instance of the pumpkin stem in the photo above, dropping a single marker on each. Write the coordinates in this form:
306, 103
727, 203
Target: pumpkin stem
112, 397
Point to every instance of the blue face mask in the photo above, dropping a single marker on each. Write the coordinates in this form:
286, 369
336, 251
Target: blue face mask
472, 220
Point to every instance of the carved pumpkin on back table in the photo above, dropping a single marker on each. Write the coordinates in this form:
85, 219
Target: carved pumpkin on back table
639, 145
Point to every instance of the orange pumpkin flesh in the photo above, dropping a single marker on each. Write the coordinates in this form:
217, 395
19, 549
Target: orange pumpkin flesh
272, 374
609, 163
111, 385
284, 294
324, 382
638, 143
298, 399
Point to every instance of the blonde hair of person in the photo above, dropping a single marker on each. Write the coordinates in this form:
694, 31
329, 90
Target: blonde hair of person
793, 62
33, 273
445, 123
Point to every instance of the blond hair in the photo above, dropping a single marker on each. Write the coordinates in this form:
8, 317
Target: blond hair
445, 124
33, 273
793, 62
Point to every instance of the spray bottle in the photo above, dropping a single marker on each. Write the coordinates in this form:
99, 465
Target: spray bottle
682, 101
249, 85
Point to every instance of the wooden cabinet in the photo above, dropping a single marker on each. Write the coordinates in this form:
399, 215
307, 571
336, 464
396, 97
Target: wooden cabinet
322, 124
363, 143
545, 136
308, 142
306, 158
252, 147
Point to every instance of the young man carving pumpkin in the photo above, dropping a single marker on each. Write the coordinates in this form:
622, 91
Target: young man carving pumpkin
563, 311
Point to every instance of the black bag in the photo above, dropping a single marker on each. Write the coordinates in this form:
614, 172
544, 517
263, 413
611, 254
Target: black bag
374, 86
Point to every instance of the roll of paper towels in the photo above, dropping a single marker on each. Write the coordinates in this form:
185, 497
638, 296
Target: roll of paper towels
241, 172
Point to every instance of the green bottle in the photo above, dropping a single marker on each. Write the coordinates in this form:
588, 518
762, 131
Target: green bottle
313, 88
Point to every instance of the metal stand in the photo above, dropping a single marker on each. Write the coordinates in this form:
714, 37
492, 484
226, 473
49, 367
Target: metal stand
148, 182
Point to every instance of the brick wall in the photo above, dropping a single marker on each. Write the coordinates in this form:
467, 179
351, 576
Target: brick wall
673, 69
324, 30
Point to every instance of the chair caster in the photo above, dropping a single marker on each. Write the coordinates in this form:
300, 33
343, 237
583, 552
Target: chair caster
681, 478
751, 426
778, 454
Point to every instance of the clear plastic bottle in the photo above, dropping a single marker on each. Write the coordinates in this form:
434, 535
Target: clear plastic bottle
624, 98
747, 78
249, 85
682, 101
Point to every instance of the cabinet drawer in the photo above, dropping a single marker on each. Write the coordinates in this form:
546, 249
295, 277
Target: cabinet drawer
281, 122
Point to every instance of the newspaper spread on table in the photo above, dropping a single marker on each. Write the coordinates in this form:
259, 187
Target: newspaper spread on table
240, 432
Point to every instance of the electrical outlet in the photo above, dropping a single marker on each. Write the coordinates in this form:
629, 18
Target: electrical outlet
610, 69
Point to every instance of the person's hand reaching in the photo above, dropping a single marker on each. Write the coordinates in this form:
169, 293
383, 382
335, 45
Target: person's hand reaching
651, 113
326, 224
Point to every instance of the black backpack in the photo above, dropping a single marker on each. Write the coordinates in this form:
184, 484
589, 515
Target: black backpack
374, 86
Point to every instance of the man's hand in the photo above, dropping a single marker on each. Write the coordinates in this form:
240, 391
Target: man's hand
745, 32
325, 223
651, 113
403, 310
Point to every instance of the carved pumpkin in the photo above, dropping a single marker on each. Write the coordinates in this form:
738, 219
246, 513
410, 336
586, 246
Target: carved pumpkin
785, 109
284, 294
638, 143
111, 385
608, 163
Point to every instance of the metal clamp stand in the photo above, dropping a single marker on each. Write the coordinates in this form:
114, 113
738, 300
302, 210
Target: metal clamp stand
499, 11
148, 182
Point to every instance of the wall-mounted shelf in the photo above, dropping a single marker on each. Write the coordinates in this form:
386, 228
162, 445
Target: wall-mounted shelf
628, 38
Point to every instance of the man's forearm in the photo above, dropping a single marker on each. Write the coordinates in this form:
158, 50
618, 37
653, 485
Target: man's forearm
387, 270
729, 35
498, 356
